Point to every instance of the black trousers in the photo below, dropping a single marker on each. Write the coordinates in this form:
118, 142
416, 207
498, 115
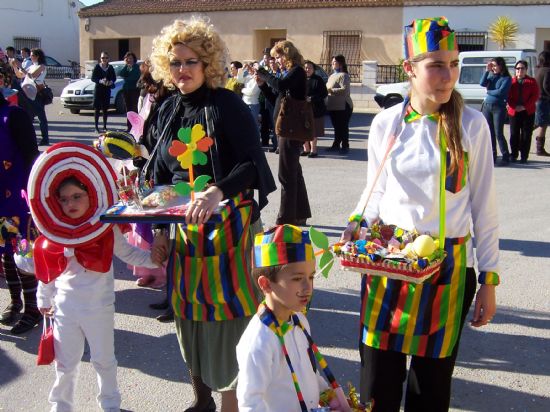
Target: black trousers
429, 381
521, 130
340, 121
294, 202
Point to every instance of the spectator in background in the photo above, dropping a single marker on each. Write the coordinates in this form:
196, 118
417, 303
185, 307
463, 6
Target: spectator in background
268, 127
37, 71
26, 56
266, 58
251, 90
316, 94
294, 208
233, 82
145, 82
104, 78
522, 99
542, 114
339, 103
130, 73
497, 80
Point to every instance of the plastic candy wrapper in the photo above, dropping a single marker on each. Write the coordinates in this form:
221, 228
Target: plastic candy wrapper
386, 250
329, 398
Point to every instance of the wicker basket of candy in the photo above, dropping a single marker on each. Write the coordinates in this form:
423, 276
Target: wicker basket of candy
386, 250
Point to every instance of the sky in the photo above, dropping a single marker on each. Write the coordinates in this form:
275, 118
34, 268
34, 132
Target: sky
90, 2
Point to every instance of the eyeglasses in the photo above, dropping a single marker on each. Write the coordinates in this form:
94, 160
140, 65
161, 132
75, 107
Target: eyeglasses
76, 198
521, 68
189, 63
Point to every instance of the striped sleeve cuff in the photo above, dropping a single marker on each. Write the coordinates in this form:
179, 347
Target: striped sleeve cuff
488, 278
359, 219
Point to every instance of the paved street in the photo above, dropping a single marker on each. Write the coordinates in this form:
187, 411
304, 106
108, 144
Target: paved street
502, 367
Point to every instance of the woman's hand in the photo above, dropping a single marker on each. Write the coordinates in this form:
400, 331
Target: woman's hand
489, 67
205, 203
48, 312
485, 306
347, 235
159, 247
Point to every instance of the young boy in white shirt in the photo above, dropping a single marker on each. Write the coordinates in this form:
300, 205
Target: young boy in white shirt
277, 339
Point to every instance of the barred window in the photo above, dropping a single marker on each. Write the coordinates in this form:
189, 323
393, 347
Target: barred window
30, 42
471, 40
346, 43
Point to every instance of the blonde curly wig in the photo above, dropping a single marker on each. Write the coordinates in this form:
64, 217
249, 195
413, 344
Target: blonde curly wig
201, 37
289, 50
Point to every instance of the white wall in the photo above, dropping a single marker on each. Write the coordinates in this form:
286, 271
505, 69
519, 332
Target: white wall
53, 21
478, 18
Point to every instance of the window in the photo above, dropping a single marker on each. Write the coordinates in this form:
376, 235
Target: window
471, 40
30, 42
346, 43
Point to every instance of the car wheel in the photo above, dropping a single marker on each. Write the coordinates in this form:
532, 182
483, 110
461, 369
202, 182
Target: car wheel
120, 106
392, 101
75, 111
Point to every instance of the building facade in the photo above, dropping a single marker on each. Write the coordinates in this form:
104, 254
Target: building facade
52, 25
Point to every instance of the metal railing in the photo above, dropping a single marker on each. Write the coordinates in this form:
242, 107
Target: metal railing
390, 74
354, 71
63, 72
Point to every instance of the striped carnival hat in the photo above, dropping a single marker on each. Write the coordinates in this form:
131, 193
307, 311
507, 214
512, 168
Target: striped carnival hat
282, 244
428, 35
89, 166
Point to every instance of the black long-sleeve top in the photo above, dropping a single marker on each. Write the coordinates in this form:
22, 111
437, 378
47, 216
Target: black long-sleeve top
99, 74
20, 126
274, 88
317, 91
241, 159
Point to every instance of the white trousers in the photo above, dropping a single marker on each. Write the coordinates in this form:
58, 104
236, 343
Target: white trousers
70, 330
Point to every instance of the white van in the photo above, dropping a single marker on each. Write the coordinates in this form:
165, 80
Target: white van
472, 65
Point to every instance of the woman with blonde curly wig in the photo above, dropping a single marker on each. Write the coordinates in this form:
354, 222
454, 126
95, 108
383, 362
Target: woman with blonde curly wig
212, 304
294, 208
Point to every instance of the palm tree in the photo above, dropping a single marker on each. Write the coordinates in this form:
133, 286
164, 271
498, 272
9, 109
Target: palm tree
503, 30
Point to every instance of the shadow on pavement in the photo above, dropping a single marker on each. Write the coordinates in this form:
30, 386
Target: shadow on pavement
526, 247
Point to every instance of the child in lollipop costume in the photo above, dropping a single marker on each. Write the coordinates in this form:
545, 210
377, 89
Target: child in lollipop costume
73, 260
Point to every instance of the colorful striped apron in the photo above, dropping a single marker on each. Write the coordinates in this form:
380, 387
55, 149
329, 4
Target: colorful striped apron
419, 319
208, 270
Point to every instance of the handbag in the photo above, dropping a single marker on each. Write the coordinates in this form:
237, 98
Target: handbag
45, 94
46, 352
295, 119
29, 87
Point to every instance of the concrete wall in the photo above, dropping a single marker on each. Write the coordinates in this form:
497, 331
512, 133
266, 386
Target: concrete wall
534, 25
247, 33
53, 21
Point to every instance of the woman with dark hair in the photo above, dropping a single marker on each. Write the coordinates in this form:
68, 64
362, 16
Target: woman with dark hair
339, 103
542, 113
37, 71
294, 208
130, 73
497, 80
104, 78
316, 94
233, 83
522, 98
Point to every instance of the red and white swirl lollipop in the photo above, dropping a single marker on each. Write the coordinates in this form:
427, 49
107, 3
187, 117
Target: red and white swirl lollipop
90, 167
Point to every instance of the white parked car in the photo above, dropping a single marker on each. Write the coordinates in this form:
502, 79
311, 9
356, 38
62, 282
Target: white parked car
79, 94
472, 65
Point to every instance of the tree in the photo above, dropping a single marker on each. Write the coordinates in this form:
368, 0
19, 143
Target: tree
503, 30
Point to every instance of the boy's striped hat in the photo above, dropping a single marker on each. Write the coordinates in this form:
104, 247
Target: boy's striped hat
428, 35
282, 244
